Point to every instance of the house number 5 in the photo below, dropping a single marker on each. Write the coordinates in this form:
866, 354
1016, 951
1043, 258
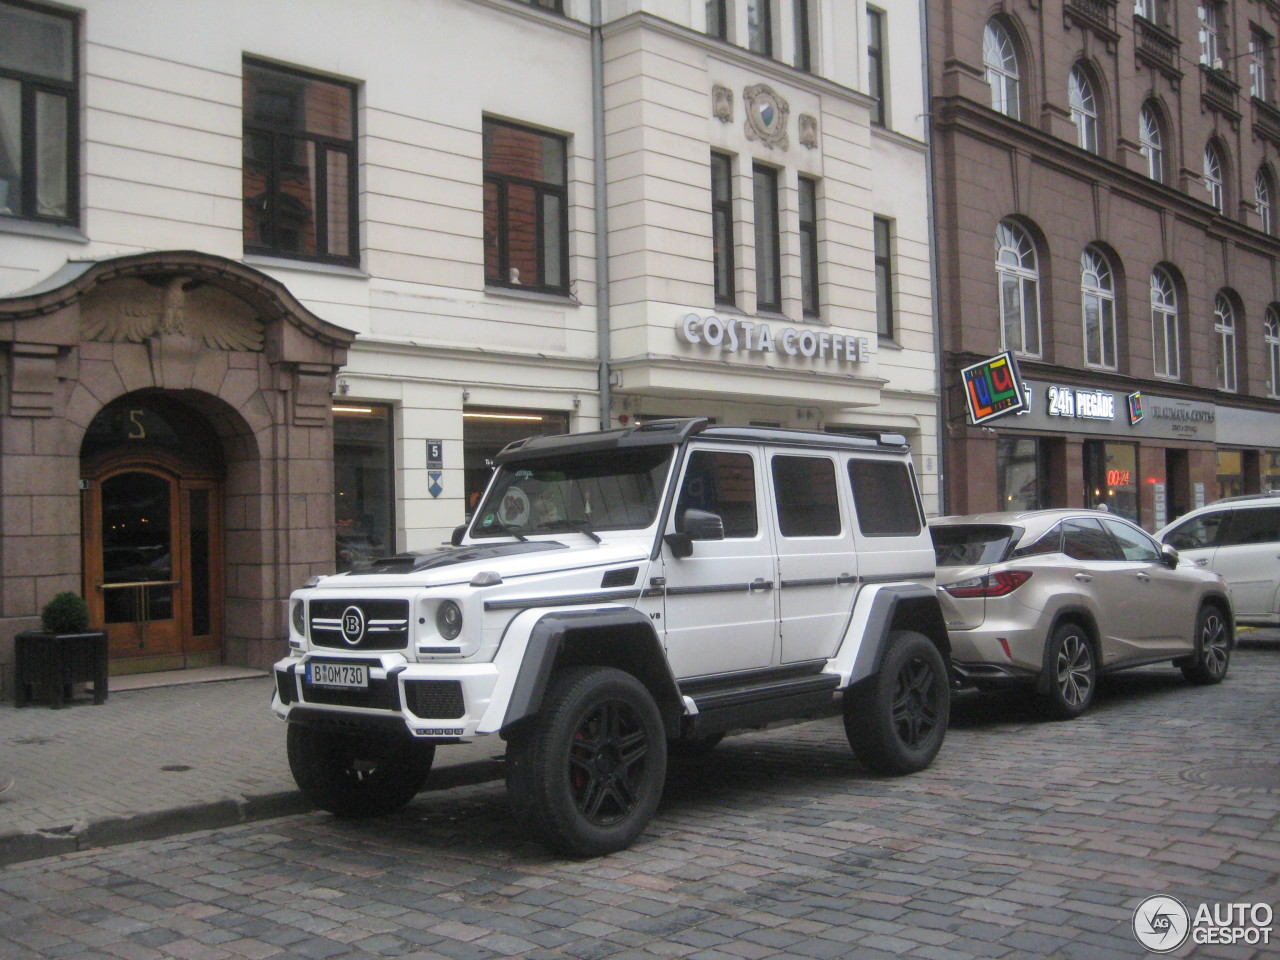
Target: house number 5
138, 432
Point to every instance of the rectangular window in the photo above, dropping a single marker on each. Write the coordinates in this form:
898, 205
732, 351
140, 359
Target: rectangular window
883, 230
805, 489
875, 64
363, 468
760, 27
1021, 473
885, 498
299, 165
768, 261
722, 226
717, 19
809, 246
38, 109
804, 47
723, 484
1259, 65
1210, 14
526, 201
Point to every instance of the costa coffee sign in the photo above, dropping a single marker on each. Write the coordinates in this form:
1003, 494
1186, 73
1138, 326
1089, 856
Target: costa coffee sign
736, 335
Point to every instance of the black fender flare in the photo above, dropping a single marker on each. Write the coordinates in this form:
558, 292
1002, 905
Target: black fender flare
925, 616
620, 637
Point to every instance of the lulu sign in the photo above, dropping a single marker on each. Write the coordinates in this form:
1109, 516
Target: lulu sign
736, 335
992, 389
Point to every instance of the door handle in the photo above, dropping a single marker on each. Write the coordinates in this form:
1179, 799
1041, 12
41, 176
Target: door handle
1084, 578
1143, 576
846, 578
760, 583
1204, 561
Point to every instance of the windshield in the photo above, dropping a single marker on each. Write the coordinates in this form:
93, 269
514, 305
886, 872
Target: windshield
614, 490
964, 545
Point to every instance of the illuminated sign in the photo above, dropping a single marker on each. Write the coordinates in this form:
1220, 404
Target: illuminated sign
1119, 478
992, 389
1135, 408
1081, 404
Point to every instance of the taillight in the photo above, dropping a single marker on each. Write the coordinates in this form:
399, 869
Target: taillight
991, 585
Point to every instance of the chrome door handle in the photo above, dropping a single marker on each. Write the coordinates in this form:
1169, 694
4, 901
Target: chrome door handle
1084, 578
1143, 576
1204, 561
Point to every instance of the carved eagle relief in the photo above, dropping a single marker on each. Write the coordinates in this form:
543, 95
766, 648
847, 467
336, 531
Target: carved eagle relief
131, 310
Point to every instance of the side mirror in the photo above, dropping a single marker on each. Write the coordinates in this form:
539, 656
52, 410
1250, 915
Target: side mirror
1169, 556
694, 525
459, 532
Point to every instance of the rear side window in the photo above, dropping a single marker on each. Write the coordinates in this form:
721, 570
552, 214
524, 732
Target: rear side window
1086, 540
963, 545
724, 484
885, 498
1203, 531
1261, 525
805, 488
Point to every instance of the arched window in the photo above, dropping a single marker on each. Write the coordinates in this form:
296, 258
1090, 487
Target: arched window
1262, 200
1224, 329
1084, 108
1151, 141
1098, 300
1001, 62
1018, 277
1213, 176
1271, 337
1164, 325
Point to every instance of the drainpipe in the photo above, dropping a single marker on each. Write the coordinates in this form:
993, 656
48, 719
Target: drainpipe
933, 258
603, 346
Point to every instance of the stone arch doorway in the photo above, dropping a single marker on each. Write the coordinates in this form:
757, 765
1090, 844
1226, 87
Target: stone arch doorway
152, 533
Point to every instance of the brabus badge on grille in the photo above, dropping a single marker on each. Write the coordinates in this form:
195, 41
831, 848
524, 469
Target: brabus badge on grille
353, 625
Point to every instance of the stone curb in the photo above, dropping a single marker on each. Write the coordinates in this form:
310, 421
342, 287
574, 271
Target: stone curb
16, 848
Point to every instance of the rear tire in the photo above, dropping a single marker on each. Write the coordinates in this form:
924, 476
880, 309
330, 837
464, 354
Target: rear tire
1070, 677
1213, 648
586, 773
897, 724
357, 775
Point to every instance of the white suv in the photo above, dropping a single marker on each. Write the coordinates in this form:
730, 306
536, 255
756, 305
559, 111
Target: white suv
1239, 538
617, 591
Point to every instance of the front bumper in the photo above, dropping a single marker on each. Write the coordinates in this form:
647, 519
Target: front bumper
432, 701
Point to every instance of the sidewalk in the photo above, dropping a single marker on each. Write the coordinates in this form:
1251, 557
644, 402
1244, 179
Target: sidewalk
162, 760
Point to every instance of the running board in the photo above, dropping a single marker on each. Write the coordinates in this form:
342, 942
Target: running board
761, 697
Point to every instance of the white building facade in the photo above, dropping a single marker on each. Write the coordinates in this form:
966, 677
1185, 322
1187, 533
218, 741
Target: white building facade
272, 270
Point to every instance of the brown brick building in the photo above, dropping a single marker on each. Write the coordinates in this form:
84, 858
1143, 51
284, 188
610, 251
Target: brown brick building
1106, 201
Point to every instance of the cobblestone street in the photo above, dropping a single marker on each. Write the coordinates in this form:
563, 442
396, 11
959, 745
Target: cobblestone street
1025, 839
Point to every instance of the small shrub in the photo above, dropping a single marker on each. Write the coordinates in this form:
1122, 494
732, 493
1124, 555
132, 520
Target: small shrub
66, 613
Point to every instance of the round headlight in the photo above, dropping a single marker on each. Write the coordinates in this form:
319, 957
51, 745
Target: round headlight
449, 620
298, 613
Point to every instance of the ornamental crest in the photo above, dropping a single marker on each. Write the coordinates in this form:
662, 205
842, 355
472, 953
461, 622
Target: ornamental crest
722, 103
766, 116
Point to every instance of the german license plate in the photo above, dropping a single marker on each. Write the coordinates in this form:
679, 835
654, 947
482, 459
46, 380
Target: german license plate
352, 675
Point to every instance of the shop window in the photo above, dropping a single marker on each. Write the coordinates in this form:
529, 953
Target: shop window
363, 468
1229, 467
299, 165
1021, 473
485, 431
526, 200
1111, 477
1270, 470
805, 489
39, 153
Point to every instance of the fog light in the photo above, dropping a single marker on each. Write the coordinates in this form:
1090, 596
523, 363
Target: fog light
449, 620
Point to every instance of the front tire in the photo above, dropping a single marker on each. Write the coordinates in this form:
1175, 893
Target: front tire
1213, 648
357, 775
1070, 676
897, 724
586, 773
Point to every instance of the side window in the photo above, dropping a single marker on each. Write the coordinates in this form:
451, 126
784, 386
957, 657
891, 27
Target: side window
1201, 532
1134, 544
1253, 526
725, 484
885, 498
1086, 540
805, 488
1051, 542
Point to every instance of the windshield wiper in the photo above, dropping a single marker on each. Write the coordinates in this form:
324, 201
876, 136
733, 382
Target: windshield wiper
582, 526
506, 528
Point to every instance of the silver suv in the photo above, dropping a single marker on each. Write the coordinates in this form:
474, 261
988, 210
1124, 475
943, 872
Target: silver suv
1239, 538
1053, 598
616, 592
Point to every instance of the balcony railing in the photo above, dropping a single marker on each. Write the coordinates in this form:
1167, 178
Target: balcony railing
1097, 15
1266, 121
1157, 48
1219, 92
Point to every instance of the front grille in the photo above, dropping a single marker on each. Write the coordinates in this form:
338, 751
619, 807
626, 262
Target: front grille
435, 699
383, 624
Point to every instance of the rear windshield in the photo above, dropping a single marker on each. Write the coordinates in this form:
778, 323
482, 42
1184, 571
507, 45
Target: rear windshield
963, 545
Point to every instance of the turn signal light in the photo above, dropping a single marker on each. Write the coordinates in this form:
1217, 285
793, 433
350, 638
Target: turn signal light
991, 585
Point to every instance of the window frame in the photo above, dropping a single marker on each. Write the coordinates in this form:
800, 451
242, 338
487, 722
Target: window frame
1271, 346
1083, 102
1003, 76
1224, 330
322, 145
1262, 194
1165, 326
1097, 287
1260, 54
875, 66
760, 33
882, 250
810, 289
720, 30
722, 267
1209, 16
31, 87
1027, 280
1215, 177
542, 190
1151, 140
802, 29
768, 238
